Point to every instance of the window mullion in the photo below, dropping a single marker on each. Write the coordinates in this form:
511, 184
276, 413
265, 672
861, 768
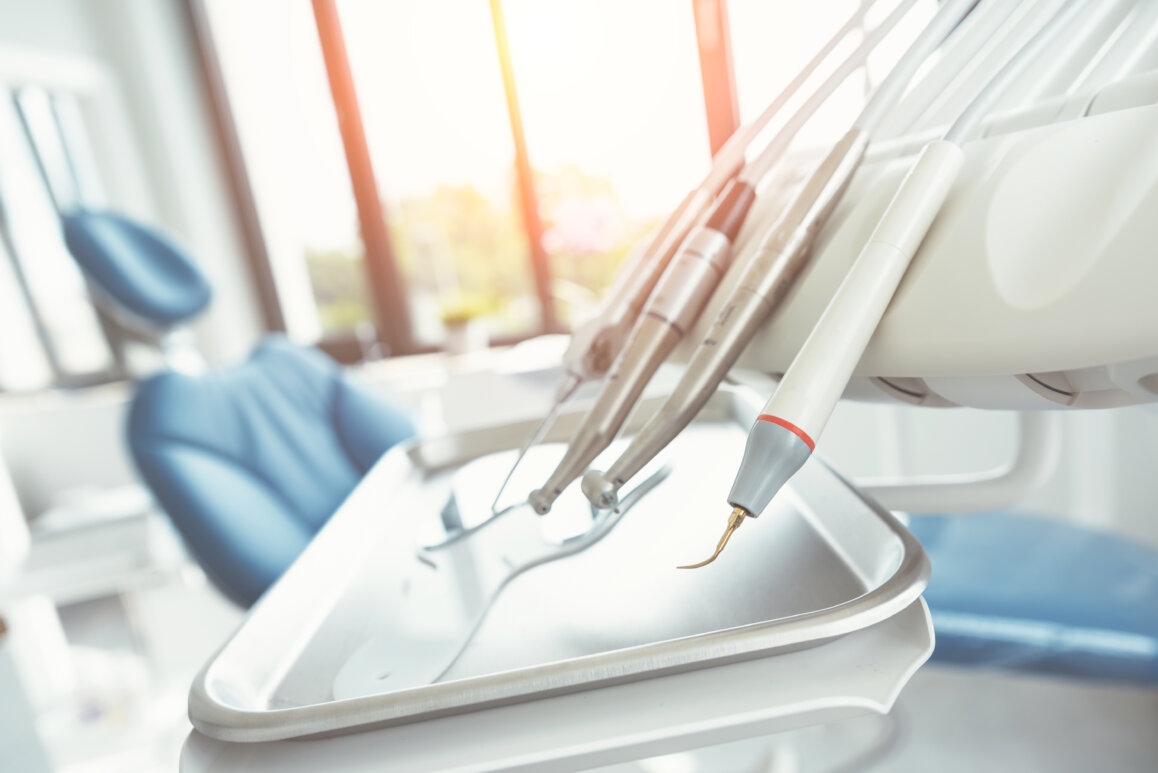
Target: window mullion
540, 265
261, 269
716, 71
391, 311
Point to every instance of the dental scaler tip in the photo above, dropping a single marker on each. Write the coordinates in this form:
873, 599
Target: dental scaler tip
734, 520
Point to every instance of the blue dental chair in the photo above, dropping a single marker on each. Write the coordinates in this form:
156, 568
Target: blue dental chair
250, 461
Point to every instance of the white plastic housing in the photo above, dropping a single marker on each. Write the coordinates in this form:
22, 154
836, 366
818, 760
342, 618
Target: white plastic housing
818, 375
1034, 287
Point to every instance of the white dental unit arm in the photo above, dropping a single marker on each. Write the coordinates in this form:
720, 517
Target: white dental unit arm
1036, 285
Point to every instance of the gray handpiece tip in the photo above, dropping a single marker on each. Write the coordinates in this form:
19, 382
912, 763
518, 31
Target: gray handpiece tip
540, 501
599, 491
772, 456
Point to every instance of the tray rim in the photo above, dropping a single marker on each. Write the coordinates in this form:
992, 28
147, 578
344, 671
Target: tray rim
587, 672
592, 736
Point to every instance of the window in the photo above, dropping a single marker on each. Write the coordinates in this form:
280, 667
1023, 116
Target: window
53, 334
429, 84
616, 129
517, 150
500, 156
280, 101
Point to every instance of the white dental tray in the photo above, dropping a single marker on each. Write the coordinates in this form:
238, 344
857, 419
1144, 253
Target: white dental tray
613, 620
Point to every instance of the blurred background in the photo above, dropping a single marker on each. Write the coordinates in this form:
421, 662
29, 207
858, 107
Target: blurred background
415, 188
513, 154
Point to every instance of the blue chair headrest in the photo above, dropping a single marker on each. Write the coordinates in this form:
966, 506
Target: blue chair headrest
136, 267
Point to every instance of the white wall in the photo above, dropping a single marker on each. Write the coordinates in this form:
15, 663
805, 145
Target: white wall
164, 166
147, 43
159, 162
48, 25
1106, 475
61, 441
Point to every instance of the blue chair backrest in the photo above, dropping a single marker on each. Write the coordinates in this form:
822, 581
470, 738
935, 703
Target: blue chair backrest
251, 461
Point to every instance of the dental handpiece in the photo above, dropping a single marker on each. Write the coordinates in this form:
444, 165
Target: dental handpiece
764, 281
672, 308
783, 435
596, 343
684, 290
768, 273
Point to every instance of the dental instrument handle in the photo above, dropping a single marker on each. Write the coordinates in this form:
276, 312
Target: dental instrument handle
766, 278
769, 273
678, 298
596, 343
783, 436
633, 287
692, 277
685, 288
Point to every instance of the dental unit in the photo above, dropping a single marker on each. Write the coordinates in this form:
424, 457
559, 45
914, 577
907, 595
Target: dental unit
596, 343
689, 282
784, 434
770, 271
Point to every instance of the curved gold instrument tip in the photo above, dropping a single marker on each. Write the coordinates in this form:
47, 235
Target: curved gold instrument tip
734, 520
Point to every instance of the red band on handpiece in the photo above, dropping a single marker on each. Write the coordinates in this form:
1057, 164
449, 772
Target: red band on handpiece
790, 427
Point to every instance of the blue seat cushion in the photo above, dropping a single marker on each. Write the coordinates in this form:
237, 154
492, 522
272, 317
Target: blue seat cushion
1038, 594
137, 267
251, 461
